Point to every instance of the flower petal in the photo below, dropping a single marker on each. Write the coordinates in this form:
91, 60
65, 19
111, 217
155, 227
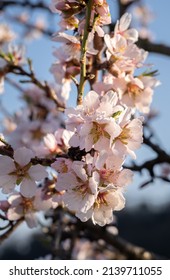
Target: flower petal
7, 183
23, 156
66, 181
6, 165
31, 220
28, 188
37, 172
15, 213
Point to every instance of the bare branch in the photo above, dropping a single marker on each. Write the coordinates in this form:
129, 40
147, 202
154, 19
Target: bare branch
18, 70
158, 48
13, 227
26, 3
131, 251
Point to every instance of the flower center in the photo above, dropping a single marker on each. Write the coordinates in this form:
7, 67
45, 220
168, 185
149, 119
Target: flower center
101, 200
27, 205
97, 131
134, 90
124, 136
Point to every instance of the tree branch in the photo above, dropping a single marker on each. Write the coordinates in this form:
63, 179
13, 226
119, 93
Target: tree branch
131, 251
83, 53
26, 3
18, 70
13, 227
158, 48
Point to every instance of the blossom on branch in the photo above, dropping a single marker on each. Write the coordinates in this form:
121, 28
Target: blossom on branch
19, 171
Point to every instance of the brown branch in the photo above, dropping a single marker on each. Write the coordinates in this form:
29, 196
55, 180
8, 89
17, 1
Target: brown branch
123, 7
150, 164
18, 70
43, 161
13, 227
155, 147
158, 48
26, 3
161, 157
73, 228
131, 251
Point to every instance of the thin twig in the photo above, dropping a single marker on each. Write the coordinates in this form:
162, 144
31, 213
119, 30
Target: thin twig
13, 227
83, 53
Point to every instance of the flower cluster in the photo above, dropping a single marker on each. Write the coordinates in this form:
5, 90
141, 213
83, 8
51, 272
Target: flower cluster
86, 156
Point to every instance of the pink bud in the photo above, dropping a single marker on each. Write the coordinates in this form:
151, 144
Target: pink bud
4, 205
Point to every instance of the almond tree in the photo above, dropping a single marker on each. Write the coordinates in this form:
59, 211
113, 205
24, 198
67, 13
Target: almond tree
71, 162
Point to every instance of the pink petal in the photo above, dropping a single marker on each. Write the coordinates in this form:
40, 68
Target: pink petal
7, 183
6, 165
37, 172
31, 220
23, 156
15, 199
66, 181
28, 188
91, 101
15, 213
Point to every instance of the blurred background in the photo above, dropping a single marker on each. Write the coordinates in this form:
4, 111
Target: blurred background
145, 221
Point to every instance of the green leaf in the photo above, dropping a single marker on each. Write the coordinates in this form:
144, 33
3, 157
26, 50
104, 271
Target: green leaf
116, 114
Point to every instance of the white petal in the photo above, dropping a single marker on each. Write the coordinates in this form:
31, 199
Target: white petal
40, 204
108, 42
7, 183
85, 129
132, 34
84, 217
125, 21
66, 181
94, 182
115, 200
102, 216
78, 168
101, 159
74, 141
6, 165
91, 101
64, 38
78, 203
102, 143
28, 188
113, 129
37, 172
15, 199
15, 213
23, 156
125, 178
88, 143
31, 220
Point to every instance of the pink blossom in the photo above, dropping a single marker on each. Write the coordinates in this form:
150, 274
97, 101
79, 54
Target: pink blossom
109, 165
18, 54
122, 26
6, 34
95, 126
80, 187
130, 138
21, 172
103, 11
21, 206
123, 57
106, 202
69, 23
138, 92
